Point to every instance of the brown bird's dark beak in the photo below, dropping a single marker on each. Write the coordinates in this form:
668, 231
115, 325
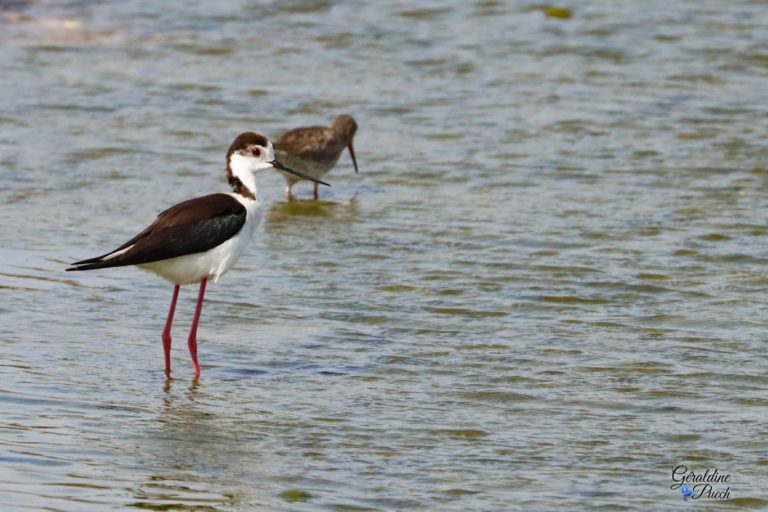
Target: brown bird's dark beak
278, 165
352, 152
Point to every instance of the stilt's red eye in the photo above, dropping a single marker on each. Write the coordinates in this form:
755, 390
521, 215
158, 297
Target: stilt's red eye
256, 152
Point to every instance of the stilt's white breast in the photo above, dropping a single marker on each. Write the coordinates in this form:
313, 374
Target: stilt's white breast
215, 262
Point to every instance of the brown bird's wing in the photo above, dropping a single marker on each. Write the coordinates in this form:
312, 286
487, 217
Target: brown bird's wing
189, 227
312, 142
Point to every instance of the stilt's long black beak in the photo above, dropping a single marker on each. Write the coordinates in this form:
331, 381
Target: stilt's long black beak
352, 152
278, 165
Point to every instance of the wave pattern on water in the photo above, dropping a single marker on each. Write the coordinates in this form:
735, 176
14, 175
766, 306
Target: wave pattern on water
545, 288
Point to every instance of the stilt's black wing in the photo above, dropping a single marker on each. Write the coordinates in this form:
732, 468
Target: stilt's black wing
190, 227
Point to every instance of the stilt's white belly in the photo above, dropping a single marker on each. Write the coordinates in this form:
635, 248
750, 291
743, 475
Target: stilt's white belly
213, 263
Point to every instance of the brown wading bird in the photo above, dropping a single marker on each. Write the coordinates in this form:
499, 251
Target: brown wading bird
314, 150
201, 239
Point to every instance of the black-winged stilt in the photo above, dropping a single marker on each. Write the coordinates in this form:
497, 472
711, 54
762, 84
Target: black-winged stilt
202, 238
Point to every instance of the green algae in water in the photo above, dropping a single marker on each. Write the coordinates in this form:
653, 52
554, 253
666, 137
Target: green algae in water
295, 495
567, 299
652, 277
397, 288
467, 312
467, 433
553, 11
459, 492
715, 237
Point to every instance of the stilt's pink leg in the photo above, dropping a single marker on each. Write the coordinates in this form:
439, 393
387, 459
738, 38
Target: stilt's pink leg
193, 332
314, 194
288, 194
167, 332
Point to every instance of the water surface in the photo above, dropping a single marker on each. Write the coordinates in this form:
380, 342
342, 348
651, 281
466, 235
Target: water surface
545, 288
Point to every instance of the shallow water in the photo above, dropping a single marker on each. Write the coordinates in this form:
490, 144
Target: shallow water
546, 287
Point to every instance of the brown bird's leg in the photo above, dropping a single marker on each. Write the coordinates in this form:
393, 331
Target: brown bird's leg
192, 342
314, 194
288, 195
167, 332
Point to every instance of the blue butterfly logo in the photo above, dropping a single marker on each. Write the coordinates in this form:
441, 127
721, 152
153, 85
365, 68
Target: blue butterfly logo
686, 492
